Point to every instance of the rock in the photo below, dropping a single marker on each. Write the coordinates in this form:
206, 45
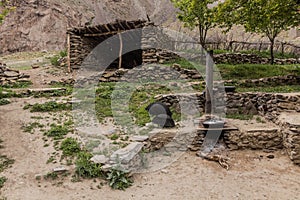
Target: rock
139, 138
11, 74
271, 156
99, 159
60, 169
35, 66
126, 154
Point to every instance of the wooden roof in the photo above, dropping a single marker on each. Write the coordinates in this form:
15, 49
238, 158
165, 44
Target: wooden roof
106, 29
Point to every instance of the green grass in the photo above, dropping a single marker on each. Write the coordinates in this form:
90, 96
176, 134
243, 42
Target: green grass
85, 168
50, 106
55, 59
57, 132
4, 102
255, 71
19, 84
239, 116
3, 179
29, 128
70, 147
5, 162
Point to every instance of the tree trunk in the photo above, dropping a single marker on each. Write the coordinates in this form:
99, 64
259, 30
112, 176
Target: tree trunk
202, 37
272, 50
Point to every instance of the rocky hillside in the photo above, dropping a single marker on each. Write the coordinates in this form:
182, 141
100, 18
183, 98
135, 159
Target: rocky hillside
41, 24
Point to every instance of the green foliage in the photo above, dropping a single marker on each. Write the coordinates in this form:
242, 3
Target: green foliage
19, 84
70, 147
5, 8
119, 179
50, 106
5, 162
85, 168
268, 17
55, 59
3, 179
51, 175
239, 116
4, 102
57, 131
31, 126
196, 13
255, 71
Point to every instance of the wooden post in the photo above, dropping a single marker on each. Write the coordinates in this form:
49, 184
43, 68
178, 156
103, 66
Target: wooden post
121, 50
209, 84
68, 51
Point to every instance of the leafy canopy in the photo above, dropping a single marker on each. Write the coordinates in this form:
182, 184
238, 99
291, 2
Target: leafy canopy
268, 17
196, 13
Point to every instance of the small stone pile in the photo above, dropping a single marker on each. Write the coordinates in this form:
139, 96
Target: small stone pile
10, 76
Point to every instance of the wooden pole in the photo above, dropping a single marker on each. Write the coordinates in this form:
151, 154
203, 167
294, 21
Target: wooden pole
68, 51
121, 50
209, 84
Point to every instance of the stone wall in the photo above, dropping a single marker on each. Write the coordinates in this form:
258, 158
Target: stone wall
10, 76
238, 58
291, 135
268, 105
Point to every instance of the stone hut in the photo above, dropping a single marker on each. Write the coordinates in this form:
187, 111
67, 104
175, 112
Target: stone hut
82, 40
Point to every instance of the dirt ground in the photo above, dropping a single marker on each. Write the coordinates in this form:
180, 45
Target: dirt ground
252, 174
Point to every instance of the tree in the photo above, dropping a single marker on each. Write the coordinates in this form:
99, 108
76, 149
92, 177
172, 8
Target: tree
196, 13
268, 17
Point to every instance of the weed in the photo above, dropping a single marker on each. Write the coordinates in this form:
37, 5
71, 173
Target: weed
57, 131
3, 179
119, 179
5, 162
239, 116
4, 102
260, 120
50, 106
19, 84
50, 160
29, 128
70, 147
52, 175
114, 136
85, 168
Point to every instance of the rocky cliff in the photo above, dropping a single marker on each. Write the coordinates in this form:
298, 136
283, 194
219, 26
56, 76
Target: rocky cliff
41, 24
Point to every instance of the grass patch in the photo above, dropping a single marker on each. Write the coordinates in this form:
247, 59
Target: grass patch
255, 71
57, 131
19, 84
85, 168
55, 59
239, 116
5, 162
185, 64
29, 128
50, 106
3, 179
4, 102
70, 147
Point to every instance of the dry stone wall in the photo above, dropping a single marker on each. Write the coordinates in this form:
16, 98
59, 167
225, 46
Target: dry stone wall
238, 58
10, 76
